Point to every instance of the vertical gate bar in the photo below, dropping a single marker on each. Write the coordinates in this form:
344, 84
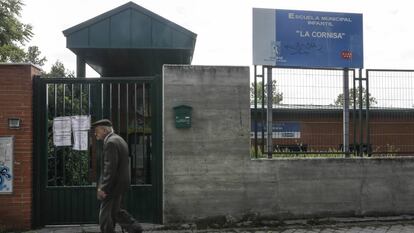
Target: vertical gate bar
73, 95
47, 152
136, 131
118, 118
89, 153
63, 154
80, 99
63, 99
89, 98
262, 114
354, 115
149, 110
134, 143
54, 150
134, 158
110, 102
104, 109
127, 124
127, 113
255, 111
103, 100
144, 138
47, 102
46, 135
367, 116
48, 109
72, 110
104, 96
361, 102
110, 116
80, 157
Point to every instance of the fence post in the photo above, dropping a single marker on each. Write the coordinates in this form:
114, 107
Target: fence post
269, 112
361, 104
255, 111
354, 124
367, 116
346, 113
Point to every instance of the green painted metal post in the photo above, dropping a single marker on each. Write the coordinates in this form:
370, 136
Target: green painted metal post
80, 67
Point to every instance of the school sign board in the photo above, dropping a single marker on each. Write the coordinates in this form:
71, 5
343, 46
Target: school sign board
291, 38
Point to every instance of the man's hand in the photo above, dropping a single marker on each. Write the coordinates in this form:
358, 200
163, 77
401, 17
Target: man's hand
100, 195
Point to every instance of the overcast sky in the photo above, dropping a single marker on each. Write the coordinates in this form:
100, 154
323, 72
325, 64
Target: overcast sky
224, 27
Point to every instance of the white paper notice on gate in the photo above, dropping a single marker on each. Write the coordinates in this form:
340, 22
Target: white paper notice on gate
62, 139
80, 140
82, 122
62, 131
62, 125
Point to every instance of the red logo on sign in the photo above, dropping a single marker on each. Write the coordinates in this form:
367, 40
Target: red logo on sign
347, 55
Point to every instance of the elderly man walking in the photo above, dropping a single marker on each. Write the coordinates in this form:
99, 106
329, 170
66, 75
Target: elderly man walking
114, 180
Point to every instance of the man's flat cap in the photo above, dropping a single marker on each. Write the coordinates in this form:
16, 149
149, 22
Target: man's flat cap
103, 122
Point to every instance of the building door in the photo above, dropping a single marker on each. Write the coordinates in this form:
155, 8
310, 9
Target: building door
67, 159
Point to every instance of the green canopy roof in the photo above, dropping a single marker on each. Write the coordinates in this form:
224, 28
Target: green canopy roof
130, 41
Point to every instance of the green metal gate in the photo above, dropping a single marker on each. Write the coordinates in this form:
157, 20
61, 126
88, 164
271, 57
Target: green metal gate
65, 178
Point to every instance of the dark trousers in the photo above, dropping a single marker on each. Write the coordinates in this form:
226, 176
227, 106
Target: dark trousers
108, 212
111, 213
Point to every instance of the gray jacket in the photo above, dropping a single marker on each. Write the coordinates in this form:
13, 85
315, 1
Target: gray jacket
116, 175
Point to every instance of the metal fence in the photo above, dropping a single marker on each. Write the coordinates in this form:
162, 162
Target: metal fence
308, 112
391, 113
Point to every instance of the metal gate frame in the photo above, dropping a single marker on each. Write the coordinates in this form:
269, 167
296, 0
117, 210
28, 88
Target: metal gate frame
40, 149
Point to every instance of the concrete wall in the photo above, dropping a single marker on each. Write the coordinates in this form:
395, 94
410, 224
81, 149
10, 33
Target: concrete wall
203, 165
16, 94
330, 187
208, 171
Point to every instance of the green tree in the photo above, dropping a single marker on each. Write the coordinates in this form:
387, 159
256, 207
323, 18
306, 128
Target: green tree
339, 101
33, 56
58, 70
277, 96
13, 33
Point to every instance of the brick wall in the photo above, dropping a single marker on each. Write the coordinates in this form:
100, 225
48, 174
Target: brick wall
391, 130
16, 101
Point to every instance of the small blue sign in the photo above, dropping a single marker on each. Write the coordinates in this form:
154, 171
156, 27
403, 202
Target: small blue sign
279, 129
318, 39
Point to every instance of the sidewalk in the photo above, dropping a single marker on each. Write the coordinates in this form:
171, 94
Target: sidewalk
369, 225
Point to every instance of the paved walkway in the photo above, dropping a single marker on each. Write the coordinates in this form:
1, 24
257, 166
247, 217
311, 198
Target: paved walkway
365, 227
